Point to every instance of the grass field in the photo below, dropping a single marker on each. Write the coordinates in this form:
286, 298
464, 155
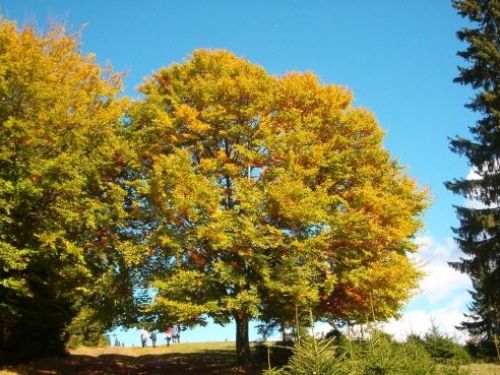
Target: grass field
484, 369
178, 359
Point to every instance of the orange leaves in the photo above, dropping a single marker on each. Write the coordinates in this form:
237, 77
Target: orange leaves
197, 258
376, 290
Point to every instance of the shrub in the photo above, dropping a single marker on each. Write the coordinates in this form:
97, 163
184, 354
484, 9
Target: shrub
442, 348
277, 355
379, 355
482, 349
311, 357
340, 340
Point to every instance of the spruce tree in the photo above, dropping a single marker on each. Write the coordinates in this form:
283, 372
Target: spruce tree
478, 235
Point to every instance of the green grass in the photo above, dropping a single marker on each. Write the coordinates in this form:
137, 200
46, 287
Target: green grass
216, 358
183, 348
190, 358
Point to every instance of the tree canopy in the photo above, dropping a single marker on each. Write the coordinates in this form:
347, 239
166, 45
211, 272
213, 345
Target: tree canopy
64, 251
233, 193
264, 194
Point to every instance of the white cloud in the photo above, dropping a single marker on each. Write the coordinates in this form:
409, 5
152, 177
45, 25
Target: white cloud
440, 282
420, 321
472, 175
442, 298
474, 203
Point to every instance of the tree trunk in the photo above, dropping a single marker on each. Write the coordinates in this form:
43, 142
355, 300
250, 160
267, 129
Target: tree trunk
243, 354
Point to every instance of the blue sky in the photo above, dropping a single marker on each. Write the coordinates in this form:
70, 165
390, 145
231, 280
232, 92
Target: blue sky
397, 56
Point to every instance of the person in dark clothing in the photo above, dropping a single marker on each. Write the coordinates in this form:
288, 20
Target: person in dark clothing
153, 338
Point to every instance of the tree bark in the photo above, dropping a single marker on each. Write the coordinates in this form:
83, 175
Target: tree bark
243, 353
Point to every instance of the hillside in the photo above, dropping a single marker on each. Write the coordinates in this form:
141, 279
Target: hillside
179, 359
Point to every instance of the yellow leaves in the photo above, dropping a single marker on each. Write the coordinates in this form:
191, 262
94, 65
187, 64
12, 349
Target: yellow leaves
168, 242
162, 123
183, 312
222, 157
179, 191
293, 283
62, 151
216, 231
305, 103
181, 283
248, 156
329, 283
13, 263
278, 181
291, 200
394, 270
360, 128
49, 240
60, 86
188, 118
133, 254
247, 301
231, 169
249, 195
208, 165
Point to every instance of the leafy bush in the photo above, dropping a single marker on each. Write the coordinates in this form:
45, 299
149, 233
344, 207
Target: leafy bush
442, 348
86, 330
379, 355
482, 349
277, 355
311, 356
339, 339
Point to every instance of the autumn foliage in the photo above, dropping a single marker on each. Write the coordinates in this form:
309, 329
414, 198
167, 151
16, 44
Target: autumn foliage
270, 193
61, 190
229, 192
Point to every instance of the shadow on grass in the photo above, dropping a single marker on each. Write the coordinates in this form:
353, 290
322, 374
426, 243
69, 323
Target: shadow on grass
205, 362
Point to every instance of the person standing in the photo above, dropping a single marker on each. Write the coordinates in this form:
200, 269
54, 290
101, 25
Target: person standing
175, 333
168, 335
153, 338
144, 338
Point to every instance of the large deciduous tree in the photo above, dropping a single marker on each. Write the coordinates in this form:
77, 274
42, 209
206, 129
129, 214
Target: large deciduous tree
64, 253
268, 194
478, 235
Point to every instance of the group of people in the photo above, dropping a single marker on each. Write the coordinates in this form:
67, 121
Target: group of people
145, 336
172, 334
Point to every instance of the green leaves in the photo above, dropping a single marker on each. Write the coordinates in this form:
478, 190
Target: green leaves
13, 262
63, 187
